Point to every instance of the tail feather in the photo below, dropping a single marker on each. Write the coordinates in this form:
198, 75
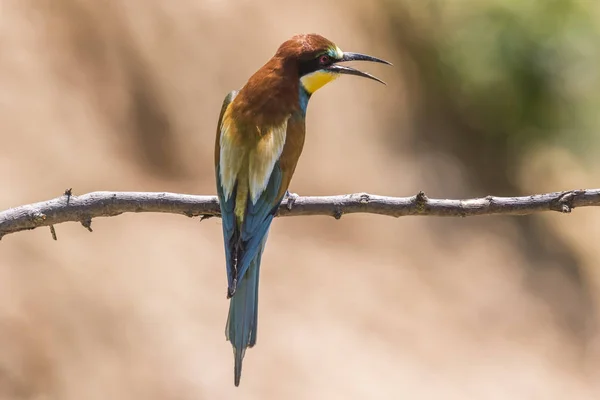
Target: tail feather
242, 321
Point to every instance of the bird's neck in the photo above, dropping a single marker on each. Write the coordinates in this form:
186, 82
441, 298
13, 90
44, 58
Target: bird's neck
303, 97
272, 95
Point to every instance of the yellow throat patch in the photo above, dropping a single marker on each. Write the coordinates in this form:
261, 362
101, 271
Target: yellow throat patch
316, 80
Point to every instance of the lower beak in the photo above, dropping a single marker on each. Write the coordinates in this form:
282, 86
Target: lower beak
340, 69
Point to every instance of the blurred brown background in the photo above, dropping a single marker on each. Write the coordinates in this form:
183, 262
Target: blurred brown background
485, 97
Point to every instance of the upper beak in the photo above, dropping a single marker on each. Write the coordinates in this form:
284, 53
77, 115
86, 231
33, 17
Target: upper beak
340, 69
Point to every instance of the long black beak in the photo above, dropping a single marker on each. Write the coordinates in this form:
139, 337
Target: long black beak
340, 69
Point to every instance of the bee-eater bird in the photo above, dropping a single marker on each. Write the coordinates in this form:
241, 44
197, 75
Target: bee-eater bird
260, 135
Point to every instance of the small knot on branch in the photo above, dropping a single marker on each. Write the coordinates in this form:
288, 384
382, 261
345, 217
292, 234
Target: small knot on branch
337, 214
564, 202
364, 198
38, 217
421, 201
68, 192
87, 224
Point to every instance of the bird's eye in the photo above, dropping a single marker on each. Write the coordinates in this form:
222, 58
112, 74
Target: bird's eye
324, 59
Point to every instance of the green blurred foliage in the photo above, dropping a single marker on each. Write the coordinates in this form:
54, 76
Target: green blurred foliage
521, 72
487, 82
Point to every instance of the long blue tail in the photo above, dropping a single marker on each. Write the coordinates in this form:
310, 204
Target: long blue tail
242, 320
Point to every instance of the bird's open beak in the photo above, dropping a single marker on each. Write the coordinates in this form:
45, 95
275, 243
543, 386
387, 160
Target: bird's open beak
341, 69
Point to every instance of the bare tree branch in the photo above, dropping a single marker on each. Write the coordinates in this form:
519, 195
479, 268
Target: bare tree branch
108, 204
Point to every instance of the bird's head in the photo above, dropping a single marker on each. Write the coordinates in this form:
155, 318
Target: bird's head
318, 60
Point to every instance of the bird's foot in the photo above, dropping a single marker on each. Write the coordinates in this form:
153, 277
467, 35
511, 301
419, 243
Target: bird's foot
291, 199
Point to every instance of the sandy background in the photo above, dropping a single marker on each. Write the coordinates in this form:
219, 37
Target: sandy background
124, 95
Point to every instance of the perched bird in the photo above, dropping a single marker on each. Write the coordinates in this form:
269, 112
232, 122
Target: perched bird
260, 135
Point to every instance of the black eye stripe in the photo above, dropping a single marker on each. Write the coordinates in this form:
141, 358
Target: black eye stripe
312, 64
